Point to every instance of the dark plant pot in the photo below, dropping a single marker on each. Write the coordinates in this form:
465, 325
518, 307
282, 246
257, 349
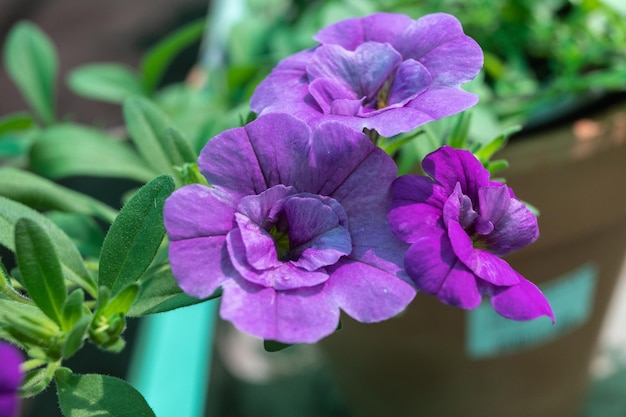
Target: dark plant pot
435, 360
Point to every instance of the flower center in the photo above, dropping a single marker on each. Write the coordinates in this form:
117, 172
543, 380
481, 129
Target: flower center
282, 243
382, 98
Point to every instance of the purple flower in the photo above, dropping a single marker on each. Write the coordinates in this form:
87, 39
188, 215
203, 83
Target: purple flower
383, 72
459, 223
293, 228
10, 380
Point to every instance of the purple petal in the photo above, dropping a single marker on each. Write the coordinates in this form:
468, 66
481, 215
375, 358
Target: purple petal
200, 265
521, 302
407, 222
318, 230
437, 103
268, 151
278, 275
350, 33
298, 316
196, 210
9, 404
391, 121
363, 70
452, 57
515, 230
335, 97
286, 89
10, 373
485, 265
435, 269
411, 80
451, 166
367, 293
409, 189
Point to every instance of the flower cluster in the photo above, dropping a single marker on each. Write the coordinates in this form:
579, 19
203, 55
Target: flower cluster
298, 223
10, 380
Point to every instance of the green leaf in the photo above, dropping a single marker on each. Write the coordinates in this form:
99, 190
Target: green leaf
68, 149
16, 122
160, 293
107, 82
73, 308
159, 57
93, 395
43, 194
37, 380
146, 122
177, 147
135, 235
71, 261
76, 336
40, 268
31, 62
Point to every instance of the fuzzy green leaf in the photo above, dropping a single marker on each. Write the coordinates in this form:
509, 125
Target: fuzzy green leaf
31, 62
98, 395
146, 122
107, 82
68, 149
71, 261
42, 194
40, 268
133, 239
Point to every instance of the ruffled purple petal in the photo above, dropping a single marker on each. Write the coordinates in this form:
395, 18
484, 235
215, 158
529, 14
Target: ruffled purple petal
367, 293
363, 70
411, 80
286, 89
350, 33
407, 222
200, 265
451, 56
277, 275
335, 97
435, 269
298, 316
450, 166
186, 216
520, 302
437, 103
516, 229
485, 265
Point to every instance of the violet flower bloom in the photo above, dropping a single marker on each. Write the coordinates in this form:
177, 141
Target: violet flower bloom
10, 380
459, 223
383, 72
293, 228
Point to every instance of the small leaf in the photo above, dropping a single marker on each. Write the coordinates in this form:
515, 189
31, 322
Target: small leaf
73, 308
107, 82
177, 147
42, 194
16, 122
159, 57
37, 380
40, 268
31, 62
135, 235
121, 302
145, 122
92, 395
76, 336
71, 261
68, 149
